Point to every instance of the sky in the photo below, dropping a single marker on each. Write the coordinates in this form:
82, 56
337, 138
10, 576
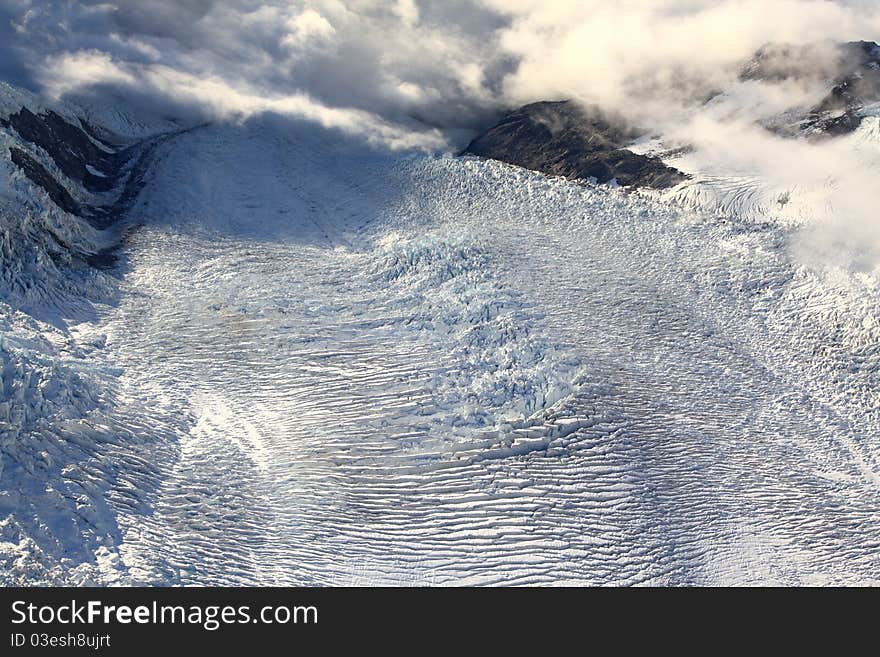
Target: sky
371, 63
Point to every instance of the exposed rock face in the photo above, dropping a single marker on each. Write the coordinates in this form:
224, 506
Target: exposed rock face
562, 138
857, 88
69, 147
37, 173
100, 166
853, 69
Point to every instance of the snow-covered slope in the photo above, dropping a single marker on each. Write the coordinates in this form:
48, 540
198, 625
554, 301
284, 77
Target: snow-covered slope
62, 190
317, 362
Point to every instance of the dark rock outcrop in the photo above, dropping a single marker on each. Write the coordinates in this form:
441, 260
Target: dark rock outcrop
69, 147
857, 87
100, 164
114, 167
564, 139
37, 174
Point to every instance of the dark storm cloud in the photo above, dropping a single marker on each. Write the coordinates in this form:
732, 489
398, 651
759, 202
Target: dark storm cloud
398, 60
12, 68
448, 63
161, 18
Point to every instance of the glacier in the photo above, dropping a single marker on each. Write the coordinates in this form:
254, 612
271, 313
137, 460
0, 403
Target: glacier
316, 361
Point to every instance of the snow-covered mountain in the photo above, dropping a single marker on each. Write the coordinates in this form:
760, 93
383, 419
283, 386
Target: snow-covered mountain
263, 352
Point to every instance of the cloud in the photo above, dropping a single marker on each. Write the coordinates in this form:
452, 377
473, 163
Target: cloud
398, 60
73, 71
451, 63
214, 95
308, 29
658, 50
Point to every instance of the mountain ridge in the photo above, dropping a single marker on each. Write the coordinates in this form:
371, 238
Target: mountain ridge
567, 139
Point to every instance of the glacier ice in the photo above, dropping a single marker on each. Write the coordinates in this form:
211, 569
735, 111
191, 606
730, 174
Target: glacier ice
317, 362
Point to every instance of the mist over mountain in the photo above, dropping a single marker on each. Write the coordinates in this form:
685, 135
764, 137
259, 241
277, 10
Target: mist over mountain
450, 64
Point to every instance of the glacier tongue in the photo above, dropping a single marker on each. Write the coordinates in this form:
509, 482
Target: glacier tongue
333, 365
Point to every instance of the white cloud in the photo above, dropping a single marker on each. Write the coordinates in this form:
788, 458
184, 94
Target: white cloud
72, 71
308, 29
407, 11
605, 52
